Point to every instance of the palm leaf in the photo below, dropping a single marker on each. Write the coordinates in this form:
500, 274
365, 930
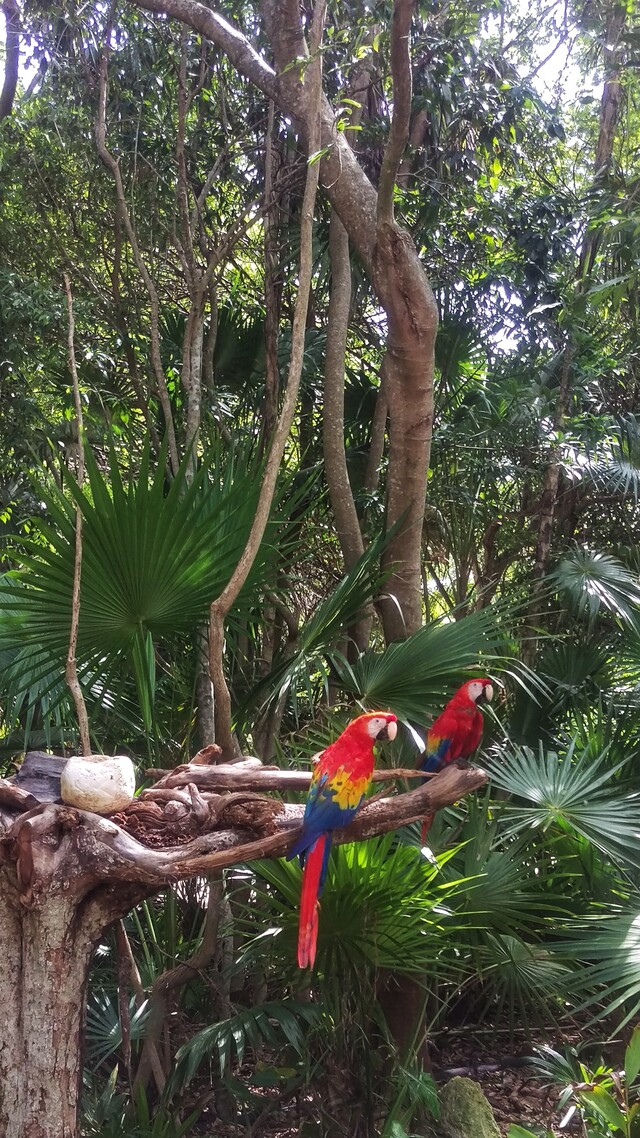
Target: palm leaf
618, 466
276, 1024
153, 559
103, 1030
609, 946
569, 793
383, 907
416, 676
596, 584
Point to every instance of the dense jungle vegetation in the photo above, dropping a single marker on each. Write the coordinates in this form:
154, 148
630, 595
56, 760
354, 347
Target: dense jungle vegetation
444, 503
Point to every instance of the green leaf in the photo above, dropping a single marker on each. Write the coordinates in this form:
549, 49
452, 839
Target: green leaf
632, 1057
602, 1102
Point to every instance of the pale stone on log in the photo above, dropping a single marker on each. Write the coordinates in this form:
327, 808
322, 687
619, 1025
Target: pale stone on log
100, 783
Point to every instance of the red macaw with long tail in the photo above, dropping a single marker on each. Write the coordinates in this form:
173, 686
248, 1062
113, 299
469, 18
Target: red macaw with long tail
339, 782
456, 732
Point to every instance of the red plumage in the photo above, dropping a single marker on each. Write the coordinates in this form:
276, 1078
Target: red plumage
338, 785
309, 903
457, 731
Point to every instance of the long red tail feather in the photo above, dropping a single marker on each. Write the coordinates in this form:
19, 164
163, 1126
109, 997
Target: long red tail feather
308, 927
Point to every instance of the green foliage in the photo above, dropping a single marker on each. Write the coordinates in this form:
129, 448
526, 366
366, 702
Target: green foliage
111, 1114
383, 907
415, 676
531, 899
103, 1030
606, 1100
307, 666
272, 1024
597, 584
572, 793
154, 557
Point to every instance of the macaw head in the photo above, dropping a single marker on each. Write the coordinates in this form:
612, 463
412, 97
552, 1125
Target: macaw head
478, 691
375, 726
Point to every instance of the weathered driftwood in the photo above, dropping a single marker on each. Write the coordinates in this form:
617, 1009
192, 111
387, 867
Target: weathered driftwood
66, 875
40, 775
54, 847
251, 775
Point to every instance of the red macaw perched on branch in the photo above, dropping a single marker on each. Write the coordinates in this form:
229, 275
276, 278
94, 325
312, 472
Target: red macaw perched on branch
457, 731
338, 785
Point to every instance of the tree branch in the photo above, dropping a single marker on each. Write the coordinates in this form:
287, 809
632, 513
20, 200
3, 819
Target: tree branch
348, 188
402, 87
56, 849
71, 670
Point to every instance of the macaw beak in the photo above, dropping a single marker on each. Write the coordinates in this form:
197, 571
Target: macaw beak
389, 731
487, 694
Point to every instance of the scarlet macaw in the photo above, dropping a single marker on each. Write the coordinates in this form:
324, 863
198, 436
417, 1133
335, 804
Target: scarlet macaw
457, 731
338, 785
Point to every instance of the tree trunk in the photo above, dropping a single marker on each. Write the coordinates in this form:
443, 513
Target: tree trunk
387, 253
45, 954
409, 365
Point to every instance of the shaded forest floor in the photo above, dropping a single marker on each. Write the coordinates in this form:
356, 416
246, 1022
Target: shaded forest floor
516, 1091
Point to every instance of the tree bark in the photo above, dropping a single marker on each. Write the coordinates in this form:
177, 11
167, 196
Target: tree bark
409, 365
46, 949
12, 57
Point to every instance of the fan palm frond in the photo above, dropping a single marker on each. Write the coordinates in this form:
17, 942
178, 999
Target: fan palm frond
383, 907
609, 947
618, 466
596, 583
416, 676
153, 559
570, 793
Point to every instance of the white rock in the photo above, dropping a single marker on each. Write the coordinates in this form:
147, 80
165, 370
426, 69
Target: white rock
100, 783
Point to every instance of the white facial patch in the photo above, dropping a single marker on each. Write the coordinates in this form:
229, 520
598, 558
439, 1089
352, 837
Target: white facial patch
375, 726
475, 689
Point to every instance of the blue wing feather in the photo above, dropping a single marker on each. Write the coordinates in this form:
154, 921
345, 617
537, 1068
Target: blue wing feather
321, 813
435, 757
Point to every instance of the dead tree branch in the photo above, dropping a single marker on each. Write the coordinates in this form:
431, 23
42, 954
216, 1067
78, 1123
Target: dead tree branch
57, 848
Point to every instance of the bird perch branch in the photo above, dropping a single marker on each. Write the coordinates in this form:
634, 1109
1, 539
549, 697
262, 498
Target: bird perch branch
58, 849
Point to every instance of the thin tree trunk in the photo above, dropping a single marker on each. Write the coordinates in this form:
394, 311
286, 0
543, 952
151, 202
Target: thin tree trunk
335, 458
272, 293
220, 607
71, 670
12, 57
